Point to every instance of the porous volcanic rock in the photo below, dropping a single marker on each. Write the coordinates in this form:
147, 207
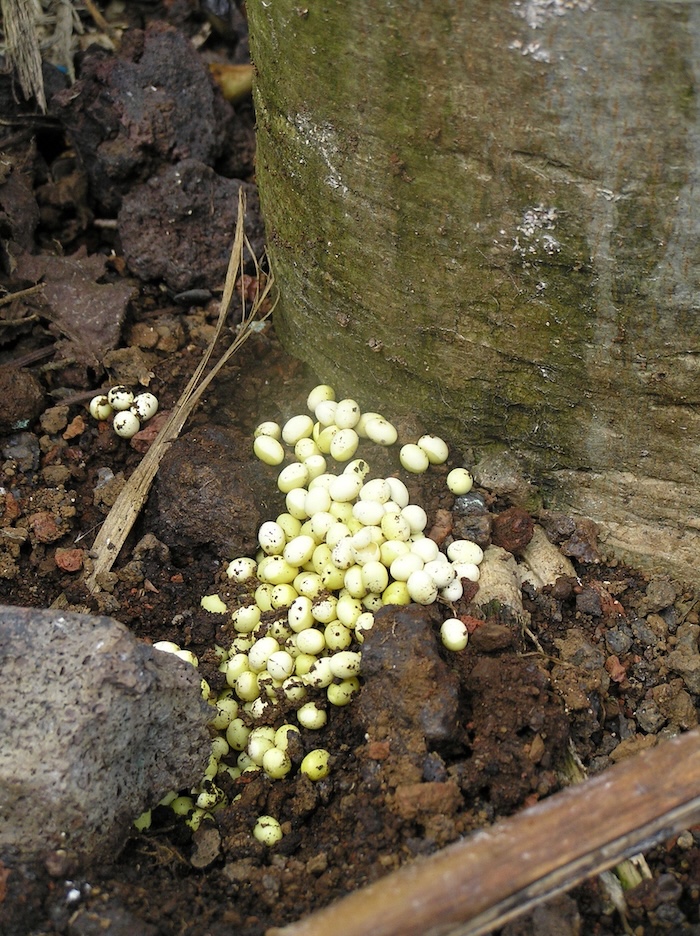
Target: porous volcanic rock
96, 727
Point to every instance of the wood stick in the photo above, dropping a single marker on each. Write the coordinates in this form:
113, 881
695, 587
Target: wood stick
482, 882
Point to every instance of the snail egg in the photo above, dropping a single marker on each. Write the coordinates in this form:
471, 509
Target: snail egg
291, 525
324, 610
435, 448
416, 516
280, 665
321, 557
361, 427
395, 527
312, 717
126, 424
310, 641
337, 636
426, 548
421, 587
343, 555
318, 395
100, 407
272, 538
404, 566
246, 686
378, 489
323, 480
315, 465
145, 406
299, 551
414, 459
459, 481
317, 501
399, 491
368, 512
246, 619
276, 765
325, 439
295, 502
260, 652
396, 594
381, 431
344, 444
454, 634
348, 610
453, 591
269, 428
296, 428
293, 476
466, 570
353, 583
342, 693
442, 573
268, 450
120, 398
357, 466
282, 596
267, 830
373, 602
345, 664
392, 549
305, 448
278, 572
299, 615
325, 412
465, 551
375, 577
345, 488
347, 414
319, 675
263, 595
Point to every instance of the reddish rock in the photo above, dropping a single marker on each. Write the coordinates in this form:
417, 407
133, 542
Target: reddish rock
75, 428
512, 529
44, 527
10, 508
69, 560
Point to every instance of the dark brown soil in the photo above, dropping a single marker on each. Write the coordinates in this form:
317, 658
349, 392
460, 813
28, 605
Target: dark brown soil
438, 744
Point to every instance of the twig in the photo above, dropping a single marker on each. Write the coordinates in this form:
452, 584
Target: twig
99, 20
21, 294
482, 882
132, 497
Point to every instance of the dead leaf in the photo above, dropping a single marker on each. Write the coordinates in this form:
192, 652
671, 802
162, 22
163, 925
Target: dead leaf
89, 314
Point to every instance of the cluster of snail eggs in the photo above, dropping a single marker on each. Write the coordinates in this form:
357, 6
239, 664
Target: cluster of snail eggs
346, 545
126, 409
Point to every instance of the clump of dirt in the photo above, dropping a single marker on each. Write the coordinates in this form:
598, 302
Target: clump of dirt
437, 744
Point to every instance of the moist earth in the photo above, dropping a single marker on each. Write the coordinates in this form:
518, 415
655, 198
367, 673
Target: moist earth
109, 278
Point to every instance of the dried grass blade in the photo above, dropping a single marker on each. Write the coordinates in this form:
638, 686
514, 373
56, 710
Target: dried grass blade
133, 495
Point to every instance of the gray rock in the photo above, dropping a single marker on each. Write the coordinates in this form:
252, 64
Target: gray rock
616, 640
649, 717
686, 662
96, 727
660, 594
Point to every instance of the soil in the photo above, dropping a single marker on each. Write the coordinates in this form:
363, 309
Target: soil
438, 744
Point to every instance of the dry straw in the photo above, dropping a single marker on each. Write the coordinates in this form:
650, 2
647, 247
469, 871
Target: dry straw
133, 495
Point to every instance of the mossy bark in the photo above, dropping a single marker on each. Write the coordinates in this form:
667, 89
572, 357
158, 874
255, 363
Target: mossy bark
487, 214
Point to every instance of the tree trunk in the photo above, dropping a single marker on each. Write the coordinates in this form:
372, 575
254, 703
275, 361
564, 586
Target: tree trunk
488, 214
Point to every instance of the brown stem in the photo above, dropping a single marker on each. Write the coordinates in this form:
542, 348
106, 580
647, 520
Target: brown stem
477, 884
